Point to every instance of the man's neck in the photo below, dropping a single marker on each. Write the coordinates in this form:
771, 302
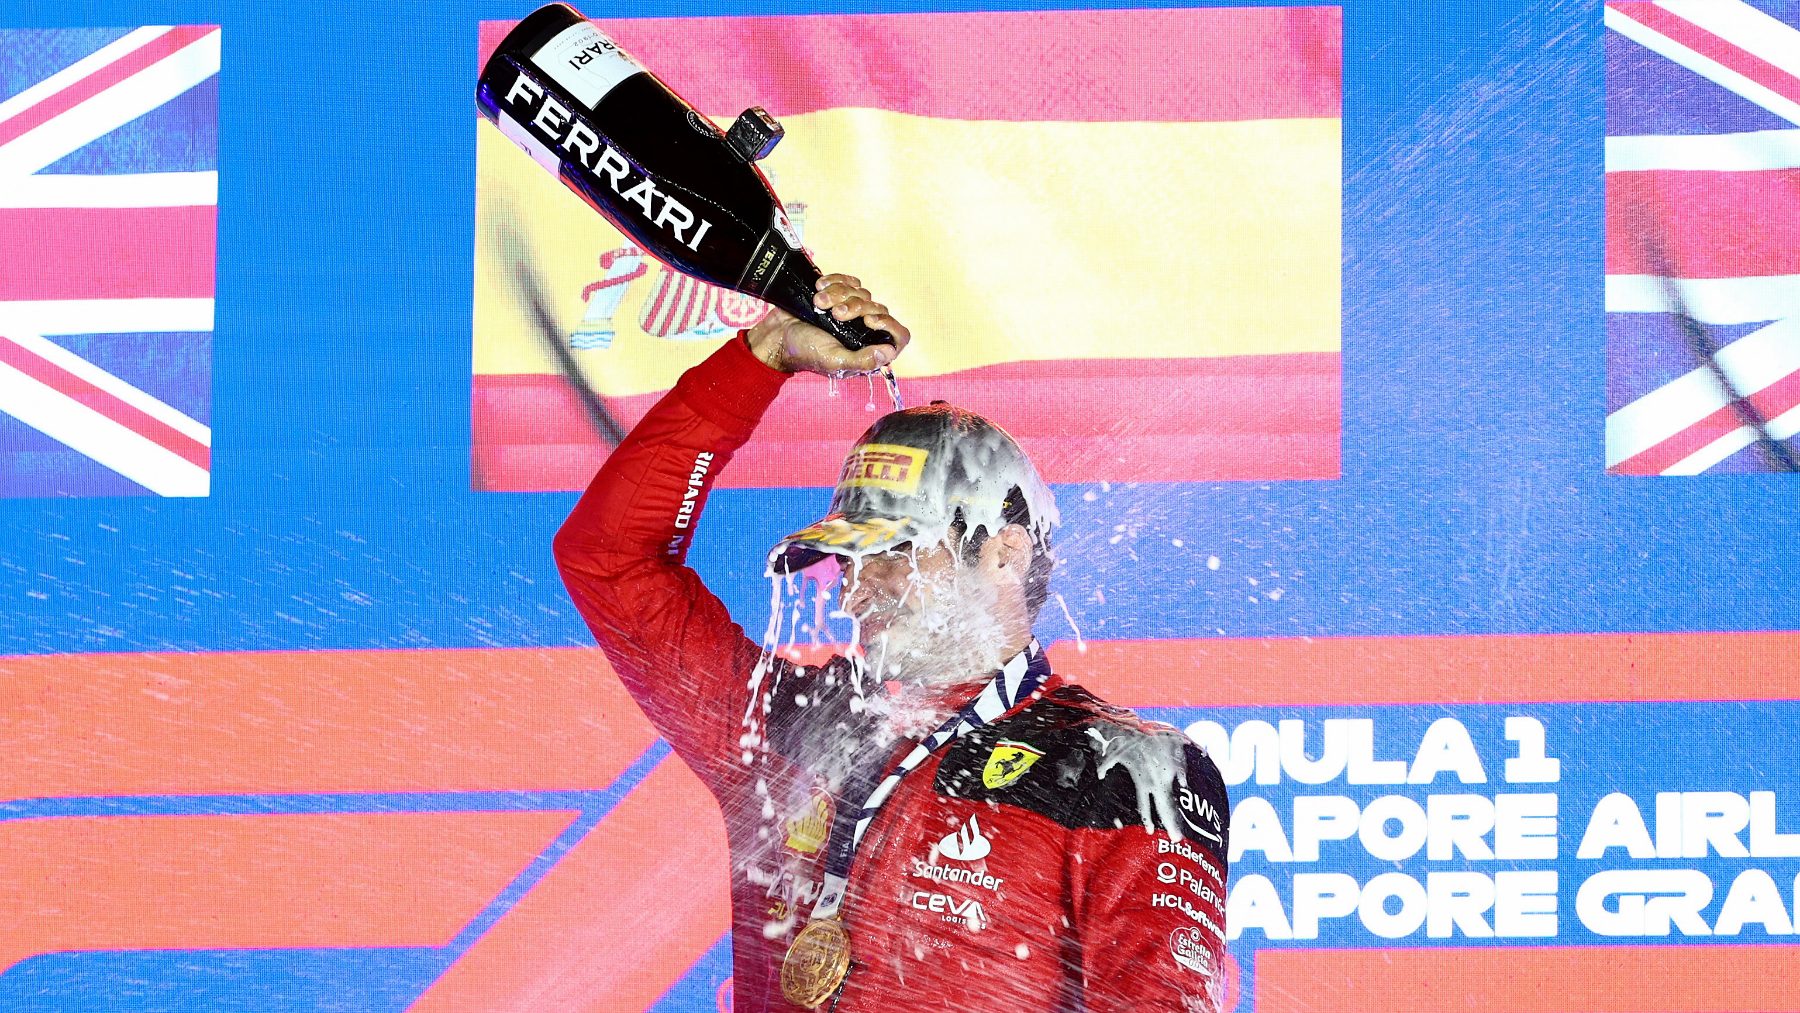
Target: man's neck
943, 698
1016, 645
930, 704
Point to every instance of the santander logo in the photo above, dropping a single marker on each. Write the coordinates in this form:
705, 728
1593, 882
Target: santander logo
965, 845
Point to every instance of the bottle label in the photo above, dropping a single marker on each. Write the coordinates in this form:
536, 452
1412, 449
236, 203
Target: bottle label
789, 234
764, 264
585, 62
556, 136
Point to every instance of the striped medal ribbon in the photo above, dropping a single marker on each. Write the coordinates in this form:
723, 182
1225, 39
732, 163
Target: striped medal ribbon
818, 960
1016, 681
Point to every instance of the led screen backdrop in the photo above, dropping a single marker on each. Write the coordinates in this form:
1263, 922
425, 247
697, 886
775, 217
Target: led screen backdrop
1319, 368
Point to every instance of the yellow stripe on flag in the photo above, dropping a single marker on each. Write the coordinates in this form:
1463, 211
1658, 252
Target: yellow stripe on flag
994, 241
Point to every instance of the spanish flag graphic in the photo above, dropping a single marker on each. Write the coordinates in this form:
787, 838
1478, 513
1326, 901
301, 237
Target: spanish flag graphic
1116, 233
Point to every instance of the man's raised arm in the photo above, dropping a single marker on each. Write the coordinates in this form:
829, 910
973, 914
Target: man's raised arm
622, 550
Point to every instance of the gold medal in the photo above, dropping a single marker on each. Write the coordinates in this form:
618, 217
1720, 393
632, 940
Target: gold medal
816, 963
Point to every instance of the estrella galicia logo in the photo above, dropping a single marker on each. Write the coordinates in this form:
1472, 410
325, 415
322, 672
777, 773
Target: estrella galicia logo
1188, 947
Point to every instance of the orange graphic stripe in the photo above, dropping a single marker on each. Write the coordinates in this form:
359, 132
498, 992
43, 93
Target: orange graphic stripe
315, 721
263, 881
620, 919
1529, 979
1574, 668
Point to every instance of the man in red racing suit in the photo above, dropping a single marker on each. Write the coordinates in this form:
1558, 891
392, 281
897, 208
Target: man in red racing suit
1022, 865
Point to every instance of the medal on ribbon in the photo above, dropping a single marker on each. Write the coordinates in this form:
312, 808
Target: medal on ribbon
819, 957
816, 963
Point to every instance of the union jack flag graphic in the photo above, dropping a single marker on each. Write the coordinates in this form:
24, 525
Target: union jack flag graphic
108, 216
1702, 236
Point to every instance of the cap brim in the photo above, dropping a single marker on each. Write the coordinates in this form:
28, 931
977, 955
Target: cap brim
838, 535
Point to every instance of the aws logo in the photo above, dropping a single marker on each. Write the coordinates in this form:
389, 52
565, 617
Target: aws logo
1200, 815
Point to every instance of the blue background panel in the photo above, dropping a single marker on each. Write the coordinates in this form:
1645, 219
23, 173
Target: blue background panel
1472, 500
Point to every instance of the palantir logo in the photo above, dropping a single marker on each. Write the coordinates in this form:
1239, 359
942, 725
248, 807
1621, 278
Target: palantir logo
965, 845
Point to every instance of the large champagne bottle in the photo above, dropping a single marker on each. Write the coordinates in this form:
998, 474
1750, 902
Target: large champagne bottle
687, 193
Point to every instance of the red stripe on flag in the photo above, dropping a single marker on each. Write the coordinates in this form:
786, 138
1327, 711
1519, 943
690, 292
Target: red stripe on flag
108, 253
82, 89
1772, 401
652, 323
1708, 224
1140, 65
107, 404
1122, 420
1529, 979
1678, 29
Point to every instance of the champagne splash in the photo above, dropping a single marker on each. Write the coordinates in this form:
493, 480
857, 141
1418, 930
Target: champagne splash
893, 387
833, 390
1080, 644
1154, 757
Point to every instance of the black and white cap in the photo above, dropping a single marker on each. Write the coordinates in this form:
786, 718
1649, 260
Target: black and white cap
908, 478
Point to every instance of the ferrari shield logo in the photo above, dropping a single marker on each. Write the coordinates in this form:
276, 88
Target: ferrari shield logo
1007, 763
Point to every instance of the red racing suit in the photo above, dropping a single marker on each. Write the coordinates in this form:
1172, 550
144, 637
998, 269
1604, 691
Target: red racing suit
1002, 875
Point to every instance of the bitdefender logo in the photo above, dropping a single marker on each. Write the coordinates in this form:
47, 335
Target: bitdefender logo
967, 844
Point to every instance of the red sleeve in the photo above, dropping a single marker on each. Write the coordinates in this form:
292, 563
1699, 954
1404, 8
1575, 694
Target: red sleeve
1150, 910
622, 550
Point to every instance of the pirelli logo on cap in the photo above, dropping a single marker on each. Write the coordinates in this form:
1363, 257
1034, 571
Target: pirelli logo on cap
838, 533
885, 466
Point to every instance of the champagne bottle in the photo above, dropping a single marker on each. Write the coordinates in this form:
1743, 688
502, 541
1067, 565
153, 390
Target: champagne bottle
687, 193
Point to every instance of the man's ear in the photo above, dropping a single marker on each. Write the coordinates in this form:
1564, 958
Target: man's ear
1011, 550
